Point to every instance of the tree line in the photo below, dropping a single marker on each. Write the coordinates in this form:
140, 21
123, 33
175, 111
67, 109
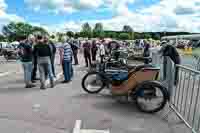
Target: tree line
12, 31
127, 33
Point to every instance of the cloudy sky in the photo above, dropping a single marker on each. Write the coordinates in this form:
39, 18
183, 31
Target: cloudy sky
141, 15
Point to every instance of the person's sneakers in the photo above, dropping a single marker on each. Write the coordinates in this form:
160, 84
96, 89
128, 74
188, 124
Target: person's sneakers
52, 84
42, 87
65, 81
33, 81
30, 86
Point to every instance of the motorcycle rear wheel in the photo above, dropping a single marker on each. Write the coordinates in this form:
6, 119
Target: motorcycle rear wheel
148, 91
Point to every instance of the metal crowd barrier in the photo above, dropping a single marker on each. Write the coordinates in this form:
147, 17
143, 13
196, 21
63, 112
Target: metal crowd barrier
184, 96
196, 62
184, 99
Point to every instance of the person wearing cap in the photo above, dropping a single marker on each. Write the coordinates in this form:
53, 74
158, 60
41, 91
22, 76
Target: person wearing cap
43, 52
26, 55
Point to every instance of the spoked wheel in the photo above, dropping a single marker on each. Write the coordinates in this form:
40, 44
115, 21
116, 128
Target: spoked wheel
151, 97
92, 83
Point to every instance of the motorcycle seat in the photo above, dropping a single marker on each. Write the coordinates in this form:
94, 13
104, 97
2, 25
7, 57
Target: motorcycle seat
140, 67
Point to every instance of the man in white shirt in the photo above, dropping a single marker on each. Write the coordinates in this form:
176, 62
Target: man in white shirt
102, 51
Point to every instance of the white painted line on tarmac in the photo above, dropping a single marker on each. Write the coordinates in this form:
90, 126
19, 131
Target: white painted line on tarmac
77, 127
94, 131
5, 74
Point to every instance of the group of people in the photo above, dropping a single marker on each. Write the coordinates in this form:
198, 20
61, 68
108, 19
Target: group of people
97, 50
38, 52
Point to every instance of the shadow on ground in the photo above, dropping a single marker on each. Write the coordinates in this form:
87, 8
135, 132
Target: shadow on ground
18, 89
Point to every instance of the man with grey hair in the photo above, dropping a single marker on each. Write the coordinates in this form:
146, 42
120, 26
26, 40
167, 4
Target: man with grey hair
67, 61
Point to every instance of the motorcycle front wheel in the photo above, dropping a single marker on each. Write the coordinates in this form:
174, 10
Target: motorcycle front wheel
151, 97
93, 83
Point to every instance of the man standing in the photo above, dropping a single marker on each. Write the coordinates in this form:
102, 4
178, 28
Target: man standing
146, 52
53, 54
74, 45
102, 51
43, 52
87, 55
25, 53
94, 50
67, 61
32, 42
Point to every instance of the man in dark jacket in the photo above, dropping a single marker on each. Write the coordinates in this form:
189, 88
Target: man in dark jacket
94, 50
53, 51
74, 45
26, 55
43, 52
87, 55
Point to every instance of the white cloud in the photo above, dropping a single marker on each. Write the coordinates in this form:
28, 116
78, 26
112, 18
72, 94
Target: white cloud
162, 16
5, 18
3, 5
90, 4
70, 6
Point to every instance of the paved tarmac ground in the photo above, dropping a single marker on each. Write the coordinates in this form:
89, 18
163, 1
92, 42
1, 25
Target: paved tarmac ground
56, 110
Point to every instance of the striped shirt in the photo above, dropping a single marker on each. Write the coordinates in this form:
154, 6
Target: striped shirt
67, 52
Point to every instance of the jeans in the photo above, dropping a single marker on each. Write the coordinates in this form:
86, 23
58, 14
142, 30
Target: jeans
75, 52
35, 67
52, 65
67, 70
87, 57
45, 69
102, 58
27, 66
94, 54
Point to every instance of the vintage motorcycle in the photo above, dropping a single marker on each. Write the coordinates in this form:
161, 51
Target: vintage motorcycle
137, 84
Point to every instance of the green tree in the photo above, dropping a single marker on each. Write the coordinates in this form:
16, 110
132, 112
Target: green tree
124, 36
127, 28
111, 35
98, 30
132, 36
157, 36
59, 36
147, 36
13, 30
39, 29
86, 30
70, 34
76, 35
2, 38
